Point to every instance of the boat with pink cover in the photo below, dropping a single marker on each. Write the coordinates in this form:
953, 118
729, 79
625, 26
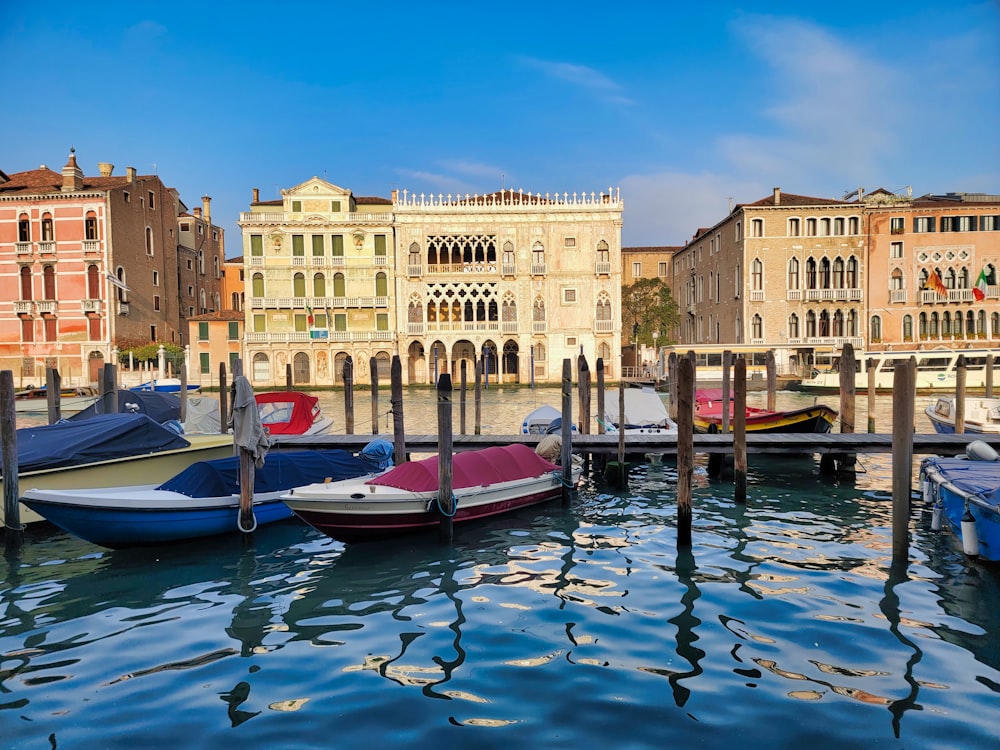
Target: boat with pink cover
485, 482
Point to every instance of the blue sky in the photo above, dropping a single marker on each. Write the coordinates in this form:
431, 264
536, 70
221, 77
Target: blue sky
684, 106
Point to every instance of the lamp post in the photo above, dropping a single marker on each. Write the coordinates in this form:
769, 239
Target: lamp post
435, 363
656, 356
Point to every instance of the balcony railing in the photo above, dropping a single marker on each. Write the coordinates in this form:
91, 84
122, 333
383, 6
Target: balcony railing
538, 326
415, 329
834, 295
930, 297
91, 246
604, 326
47, 248
537, 269
794, 295
414, 270
343, 217
508, 269
602, 269
256, 260
24, 307
46, 306
509, 326
317, 303
300, 337
91, 305
756, 295
897, 295
381, 260
22, 248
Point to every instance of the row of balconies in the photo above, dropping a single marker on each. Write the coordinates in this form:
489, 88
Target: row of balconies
261, 217
50, 306
297, 337
930, 297
316, 303
319, 261
49, 247
836, 342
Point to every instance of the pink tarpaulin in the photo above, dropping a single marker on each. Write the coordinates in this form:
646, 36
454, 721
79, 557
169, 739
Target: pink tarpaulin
502, 463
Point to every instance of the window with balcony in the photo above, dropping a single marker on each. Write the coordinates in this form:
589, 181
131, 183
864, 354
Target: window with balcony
319, 285
256, 245
339, 285
318, 246
90, 226
337, 245
49, 282
47, 229
26, 285
381, 285
793, 326
793, 273
756, 275
298, 245
380, 245
299, 285
538, 257
757, 327
23, 229
257, 284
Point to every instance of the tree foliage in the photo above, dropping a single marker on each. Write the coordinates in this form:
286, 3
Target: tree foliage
647, 307
149, 352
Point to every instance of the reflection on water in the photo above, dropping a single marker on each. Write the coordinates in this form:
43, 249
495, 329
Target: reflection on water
564, 625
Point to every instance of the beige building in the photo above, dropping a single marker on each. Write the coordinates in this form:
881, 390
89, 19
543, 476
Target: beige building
516, 280
647, 263
954, 238
318, 269
216, 338
786, 272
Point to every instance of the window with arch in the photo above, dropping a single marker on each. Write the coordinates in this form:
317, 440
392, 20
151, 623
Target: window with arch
603, 311
811, 273
538, 254
757, 327
257, 285
981, 322
824, 227
201, 261
875, 328
739, 280
339, 285
756, 227
203, 300
852, 322
852, 273
757, 275
538, 310
853, 225
508, 308
414, 254
381, 285
963, 278
508, 255
838, 273
907, 328
896, 280
793, 326
838, 226
824, 323
949, 278
218, 270
48, 233
995, 325
794, 227
824, 273
299, 285
934, 330
48, 282
261, 367
26, 285
538, 351
838, 323
603, 252
810, 227
23, 228
922, 279
121, 286
793, 273
415, 310
319, 285
149, 241
90, 226
93, 282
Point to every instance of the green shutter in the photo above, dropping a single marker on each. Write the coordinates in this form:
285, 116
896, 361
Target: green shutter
380, 244
340, 322
300, 322
202, 331
233, 356
256, 244
259, 324
318, 245
205, 363
234, 330
338, 245
298, 245
297, 206
382, 322
335, 207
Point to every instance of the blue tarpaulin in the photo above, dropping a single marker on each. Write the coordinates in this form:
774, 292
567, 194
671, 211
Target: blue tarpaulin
281, 471
99, 438
159, 405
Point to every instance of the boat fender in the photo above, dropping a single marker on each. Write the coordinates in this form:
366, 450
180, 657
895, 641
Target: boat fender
927, 490
979, 450
970, 536
936, 517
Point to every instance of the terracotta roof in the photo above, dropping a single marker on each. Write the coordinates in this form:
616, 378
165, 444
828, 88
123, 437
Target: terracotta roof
238, 259
374, 201
276, 202
228, 315
652, 249
791, 199
44, 180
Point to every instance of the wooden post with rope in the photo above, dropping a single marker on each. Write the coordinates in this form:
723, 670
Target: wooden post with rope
960, 374
223, 403
566, 456
478, 397
396, 399
446, 496
463, 387
772, 380
903, 394
870, 370
740, 430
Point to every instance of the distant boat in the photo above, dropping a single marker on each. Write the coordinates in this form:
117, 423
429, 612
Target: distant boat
169, 385
404, 499
645, 413
203, 500
545, 420
71, 399
709, 409
965, 492
982, 415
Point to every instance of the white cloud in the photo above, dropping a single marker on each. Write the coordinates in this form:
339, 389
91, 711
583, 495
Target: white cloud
581, 76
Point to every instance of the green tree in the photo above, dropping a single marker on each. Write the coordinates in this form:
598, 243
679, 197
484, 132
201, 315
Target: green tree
648, 307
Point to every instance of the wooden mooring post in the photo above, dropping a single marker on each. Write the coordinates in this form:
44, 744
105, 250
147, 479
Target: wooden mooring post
373, 367
288, 376
960, 375
583, 384
396, 402
903, 395
463, 376
740, 430
223, 400
685, 449
566, 452
13, 533
478, 398
53, 394
672, 385
184, 394
727, 367
349, 395
616, 472
600, 460
990, 366
446, 503
772, 380
109, 397
870, 370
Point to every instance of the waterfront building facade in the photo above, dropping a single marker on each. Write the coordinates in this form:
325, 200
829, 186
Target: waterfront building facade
319, 276
88, 262
934, 262
515, 280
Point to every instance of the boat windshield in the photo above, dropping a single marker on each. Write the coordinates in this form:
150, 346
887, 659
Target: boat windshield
933, 364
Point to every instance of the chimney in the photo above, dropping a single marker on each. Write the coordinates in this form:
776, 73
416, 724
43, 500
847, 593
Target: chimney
130, 173
777, 196
395, 195
105, 168
196, 212
72, 174
256, 195
861, 194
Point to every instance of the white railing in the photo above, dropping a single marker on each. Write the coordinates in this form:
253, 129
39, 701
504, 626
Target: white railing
299, 337
298, 260
256, 260
537, 269
91, 305
602, 269
91, 246
756, 295
46, 306
508, 269
23, 307
604, 326
338, 260
412, 270
538, 326
509, 326
22, 248
415, 329
264, 217
381, 260
507, 198
793, 295
47, 248
897, 295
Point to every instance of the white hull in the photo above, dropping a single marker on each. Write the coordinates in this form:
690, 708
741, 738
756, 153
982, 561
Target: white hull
936, 370
982, 415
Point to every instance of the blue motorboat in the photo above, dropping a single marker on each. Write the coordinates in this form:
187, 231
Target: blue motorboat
965, 492
203, 500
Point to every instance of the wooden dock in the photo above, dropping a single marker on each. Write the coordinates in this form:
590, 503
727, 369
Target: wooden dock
774, 444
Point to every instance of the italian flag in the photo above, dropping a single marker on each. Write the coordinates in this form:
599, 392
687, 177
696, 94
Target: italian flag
309, 316
979, 291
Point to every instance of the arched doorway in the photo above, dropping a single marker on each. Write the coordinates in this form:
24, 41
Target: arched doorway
490, 361
511, 373
300, 369
416, 363
95, 365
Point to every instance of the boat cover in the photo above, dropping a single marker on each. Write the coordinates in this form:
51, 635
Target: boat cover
286, 412
643, 408
974, 477
281, 471
100, 438
159, 405
502, 463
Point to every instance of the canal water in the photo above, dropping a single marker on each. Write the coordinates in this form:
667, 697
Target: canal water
556, 627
